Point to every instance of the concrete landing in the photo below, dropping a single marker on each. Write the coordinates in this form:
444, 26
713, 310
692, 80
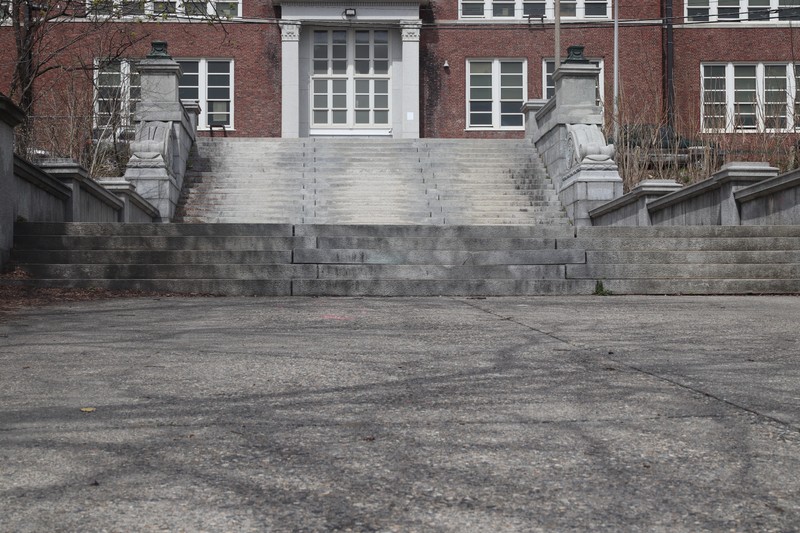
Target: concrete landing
430, 414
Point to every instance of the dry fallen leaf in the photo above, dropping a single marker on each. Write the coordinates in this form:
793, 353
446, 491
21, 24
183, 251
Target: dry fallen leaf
88, 409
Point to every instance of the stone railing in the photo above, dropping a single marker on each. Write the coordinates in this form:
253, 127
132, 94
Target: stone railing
567, 133
774, 201
165, 132
739, 193
56, 190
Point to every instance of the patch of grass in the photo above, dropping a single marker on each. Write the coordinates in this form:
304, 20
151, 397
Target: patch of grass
600, 290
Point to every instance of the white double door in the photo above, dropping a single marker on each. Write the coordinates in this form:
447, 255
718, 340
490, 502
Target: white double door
350, 79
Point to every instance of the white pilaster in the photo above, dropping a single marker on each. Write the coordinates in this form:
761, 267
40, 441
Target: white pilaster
290, 79
410, 35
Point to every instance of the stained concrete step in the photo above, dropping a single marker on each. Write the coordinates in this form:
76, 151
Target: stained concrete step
689, 271
243, 271
152, 257
199, 242
157, 229
216, 287
684, 257
682, 243
438, 257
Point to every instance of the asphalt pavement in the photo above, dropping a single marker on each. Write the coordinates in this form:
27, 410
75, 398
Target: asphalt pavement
404, 414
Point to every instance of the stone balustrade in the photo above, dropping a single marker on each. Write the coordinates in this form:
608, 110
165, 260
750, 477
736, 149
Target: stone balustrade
567, 133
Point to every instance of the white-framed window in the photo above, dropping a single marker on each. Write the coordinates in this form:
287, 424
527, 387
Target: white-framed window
741, 10
226, 9
750, 97
549, 86
350, 79
117, 91
496, 90
522, 9
208, 82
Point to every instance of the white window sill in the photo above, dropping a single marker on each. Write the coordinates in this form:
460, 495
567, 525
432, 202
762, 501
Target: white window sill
376, 132
520, 128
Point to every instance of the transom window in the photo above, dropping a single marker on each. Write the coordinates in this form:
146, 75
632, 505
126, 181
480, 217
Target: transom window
210, 83
350, 78
159, 8
520, 9
742, 10
496, 90
750, 97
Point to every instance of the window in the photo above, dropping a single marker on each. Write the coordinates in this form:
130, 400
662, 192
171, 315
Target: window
496, 90
117, 90
350, 79
161, 8
697, 10
789, 9
506, 9
742, 10
750, 97
210, 83
549, 86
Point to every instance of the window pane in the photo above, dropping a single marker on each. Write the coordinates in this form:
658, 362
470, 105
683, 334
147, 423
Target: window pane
480, 67
596, 9
381, 117
362, 117
480, 119
501, 9
534, 9
472, 9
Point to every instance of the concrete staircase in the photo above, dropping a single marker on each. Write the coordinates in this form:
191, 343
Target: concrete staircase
368, 181
409, 260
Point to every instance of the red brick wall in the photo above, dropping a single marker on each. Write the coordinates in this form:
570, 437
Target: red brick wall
256, 51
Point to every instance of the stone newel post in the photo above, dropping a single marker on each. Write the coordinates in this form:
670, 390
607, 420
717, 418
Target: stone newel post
567, 131
165, 132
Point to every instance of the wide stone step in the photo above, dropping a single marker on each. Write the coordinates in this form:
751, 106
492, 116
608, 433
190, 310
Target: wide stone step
473, 287
439, 272
200, 242
214, 287
155, 229
685, 257
438, 257
687, 271
435, 243
650, 232
153, 257
245, 271
686, 244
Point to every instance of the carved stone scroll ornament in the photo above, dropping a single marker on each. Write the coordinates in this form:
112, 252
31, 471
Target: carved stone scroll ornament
586, 145
152, 146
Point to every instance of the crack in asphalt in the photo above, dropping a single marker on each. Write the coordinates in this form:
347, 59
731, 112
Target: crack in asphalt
636, 369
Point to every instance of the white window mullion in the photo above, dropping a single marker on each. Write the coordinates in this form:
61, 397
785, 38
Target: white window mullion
730, 98
760, 110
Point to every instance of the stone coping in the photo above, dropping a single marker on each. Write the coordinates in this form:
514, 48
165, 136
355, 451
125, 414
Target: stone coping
769, 186
9, 112
31, 173
738, 171
643, 189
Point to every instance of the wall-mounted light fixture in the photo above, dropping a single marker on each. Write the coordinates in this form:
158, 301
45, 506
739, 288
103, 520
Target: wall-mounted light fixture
446, 64
349, 12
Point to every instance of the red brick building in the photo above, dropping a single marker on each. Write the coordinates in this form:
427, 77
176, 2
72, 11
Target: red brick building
448, 68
